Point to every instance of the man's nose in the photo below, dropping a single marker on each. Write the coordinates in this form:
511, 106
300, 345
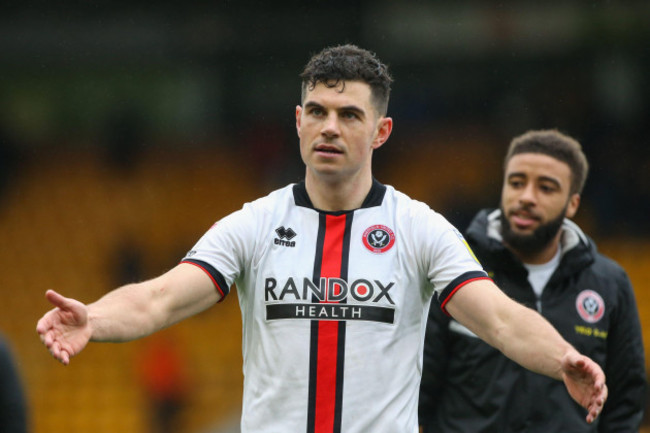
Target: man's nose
331, 126
528, 195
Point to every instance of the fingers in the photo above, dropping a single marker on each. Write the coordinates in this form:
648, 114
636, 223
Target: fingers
593, 413
62, 355
600, 394
47, 328
44, 324
597, 404
578, 364
47, 339
57, 300
591, 416
59, 353
585, 380
586, 368
53, 346
601, 398
41, 327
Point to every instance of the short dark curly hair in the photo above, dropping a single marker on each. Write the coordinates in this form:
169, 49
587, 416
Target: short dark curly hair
553, 143
342, 63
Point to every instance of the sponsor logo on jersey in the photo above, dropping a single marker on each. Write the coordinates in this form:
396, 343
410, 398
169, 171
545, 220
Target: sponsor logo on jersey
378, 238
590, 306
329, 299
285, 236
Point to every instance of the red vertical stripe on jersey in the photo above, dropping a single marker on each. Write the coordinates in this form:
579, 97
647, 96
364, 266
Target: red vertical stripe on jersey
328, 333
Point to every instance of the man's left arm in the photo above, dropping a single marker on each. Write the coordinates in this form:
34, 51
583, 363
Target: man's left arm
528, 339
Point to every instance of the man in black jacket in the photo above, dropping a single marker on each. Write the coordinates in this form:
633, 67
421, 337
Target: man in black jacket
537, 256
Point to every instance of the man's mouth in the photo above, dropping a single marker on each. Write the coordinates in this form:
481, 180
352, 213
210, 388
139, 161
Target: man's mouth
326, 148
523, 219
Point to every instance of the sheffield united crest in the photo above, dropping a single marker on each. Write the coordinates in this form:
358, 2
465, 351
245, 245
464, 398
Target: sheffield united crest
590, 306
378, 238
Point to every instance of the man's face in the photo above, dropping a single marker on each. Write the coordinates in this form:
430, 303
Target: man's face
535, 200
338, 129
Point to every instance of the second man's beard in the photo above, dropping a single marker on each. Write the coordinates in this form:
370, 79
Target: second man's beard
534, 242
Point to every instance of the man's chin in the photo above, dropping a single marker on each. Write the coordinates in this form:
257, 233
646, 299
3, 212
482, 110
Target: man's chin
519, 231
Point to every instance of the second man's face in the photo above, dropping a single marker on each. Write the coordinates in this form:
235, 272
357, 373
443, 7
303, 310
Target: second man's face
536, 191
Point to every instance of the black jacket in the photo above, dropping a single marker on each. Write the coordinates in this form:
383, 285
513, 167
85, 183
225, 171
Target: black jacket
13, 411
470, 387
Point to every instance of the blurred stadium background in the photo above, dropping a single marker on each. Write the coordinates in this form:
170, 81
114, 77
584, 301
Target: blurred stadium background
128, 128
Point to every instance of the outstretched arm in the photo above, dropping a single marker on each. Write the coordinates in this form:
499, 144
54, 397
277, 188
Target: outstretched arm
127, 313
528, 339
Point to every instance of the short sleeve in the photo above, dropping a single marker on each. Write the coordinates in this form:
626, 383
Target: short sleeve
450, 261
225, 249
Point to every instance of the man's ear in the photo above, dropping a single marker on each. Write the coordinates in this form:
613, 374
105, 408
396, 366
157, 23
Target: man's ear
574, 204
298, 115
384, 128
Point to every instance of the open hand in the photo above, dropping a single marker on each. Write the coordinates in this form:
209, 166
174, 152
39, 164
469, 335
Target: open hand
585, 381
64, 330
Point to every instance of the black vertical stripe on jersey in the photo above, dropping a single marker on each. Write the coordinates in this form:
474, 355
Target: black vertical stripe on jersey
313, 371
318, 260
313, 349
340, 361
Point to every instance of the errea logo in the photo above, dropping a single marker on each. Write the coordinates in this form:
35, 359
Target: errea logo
285, 236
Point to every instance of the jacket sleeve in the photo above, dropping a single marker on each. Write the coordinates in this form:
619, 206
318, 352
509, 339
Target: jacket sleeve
625, 369
13, 411
436, 345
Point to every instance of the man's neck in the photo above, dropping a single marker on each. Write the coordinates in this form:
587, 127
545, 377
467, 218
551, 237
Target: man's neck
336, 196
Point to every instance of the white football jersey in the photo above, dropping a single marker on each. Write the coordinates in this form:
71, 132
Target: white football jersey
334, 306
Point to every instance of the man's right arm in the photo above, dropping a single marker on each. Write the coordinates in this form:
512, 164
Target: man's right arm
127, 313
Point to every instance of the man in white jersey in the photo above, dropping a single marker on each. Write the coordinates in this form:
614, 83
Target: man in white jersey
542, 259
334, 276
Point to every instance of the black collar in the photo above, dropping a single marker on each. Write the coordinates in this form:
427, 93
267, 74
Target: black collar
374, 198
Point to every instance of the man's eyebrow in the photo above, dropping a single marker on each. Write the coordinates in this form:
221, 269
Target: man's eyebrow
552, 180
312, 104
542, 178
516, 174
353, 108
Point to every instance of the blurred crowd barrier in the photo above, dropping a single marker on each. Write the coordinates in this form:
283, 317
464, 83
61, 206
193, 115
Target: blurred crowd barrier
70, 221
